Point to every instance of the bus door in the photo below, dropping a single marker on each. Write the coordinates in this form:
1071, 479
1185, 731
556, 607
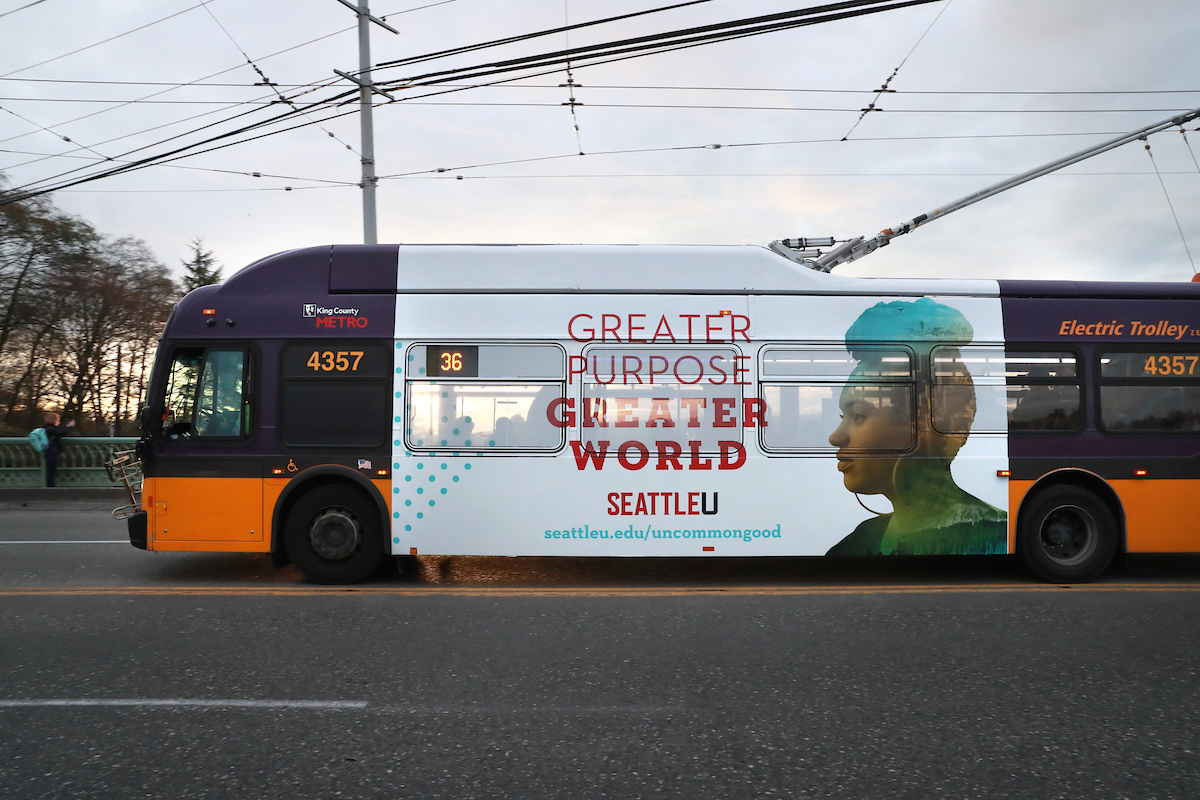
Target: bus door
203, 490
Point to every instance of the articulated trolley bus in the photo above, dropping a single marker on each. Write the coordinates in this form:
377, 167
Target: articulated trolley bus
335, 405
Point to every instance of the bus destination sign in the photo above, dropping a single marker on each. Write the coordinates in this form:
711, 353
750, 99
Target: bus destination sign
452, 361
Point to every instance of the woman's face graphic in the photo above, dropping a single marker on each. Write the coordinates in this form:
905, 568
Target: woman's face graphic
871, 422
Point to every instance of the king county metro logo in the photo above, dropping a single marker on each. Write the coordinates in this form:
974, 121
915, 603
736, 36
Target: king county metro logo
310, 309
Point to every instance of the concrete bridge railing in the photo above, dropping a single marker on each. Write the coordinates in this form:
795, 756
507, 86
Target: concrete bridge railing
81, 463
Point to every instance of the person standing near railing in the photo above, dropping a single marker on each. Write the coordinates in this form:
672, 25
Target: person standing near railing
54, 435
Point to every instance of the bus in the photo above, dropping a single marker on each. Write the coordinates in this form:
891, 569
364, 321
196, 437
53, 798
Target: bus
333, 406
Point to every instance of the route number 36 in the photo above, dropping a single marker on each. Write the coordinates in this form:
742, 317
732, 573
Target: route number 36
329, 361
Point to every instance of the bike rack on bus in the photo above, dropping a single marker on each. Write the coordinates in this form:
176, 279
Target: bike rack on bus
124, 467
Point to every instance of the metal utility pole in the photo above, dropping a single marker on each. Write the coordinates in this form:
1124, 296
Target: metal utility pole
365, 87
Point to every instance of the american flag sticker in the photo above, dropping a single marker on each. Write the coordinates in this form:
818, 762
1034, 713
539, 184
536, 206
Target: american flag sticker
364, 463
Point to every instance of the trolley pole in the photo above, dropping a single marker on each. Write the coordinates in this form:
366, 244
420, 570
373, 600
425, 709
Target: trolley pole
366, 86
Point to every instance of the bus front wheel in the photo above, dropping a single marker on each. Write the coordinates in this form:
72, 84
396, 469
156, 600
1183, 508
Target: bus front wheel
1067, 535
333, 535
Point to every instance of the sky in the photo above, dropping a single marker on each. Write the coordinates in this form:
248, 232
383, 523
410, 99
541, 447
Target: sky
985, 89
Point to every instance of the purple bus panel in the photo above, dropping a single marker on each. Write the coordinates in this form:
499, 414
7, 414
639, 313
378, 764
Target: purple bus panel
1097, 319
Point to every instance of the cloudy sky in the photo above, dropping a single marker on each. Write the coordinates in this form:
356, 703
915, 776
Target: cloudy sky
988, 88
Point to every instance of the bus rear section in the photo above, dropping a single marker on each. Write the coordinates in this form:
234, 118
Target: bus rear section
1105, 431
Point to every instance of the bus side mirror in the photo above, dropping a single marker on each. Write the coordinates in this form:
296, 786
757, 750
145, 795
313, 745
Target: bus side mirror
146, 418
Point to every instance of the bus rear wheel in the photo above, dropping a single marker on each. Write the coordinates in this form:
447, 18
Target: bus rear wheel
1067, 535
333, 535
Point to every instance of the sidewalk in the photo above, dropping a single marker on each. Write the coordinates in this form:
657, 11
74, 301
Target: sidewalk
101, 494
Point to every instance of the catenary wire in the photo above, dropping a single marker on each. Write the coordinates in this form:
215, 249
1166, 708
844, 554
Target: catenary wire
54, 133
43, 186
649, 87
181, 135
1170, 205
694, 106
192, 167
535, 35
173, 86
22, 8
665, 41
267, 81
677, 148
109, 39
884, 87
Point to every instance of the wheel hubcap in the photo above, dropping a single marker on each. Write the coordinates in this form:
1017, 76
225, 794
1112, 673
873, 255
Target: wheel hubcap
1069, 535
335, 534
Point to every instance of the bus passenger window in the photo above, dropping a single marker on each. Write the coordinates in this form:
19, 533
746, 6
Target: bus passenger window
1043, 391
822, 400
205, 395
485, 397
1150, 391
482, 416
969, 389
688, 397
817, 417
335, 394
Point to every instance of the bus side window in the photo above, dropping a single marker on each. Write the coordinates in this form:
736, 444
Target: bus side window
969, 392
219, 403
822, 400
1150, 391
335, 394
205, 395
1043, 391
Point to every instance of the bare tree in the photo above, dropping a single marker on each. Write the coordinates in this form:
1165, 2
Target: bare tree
80, 316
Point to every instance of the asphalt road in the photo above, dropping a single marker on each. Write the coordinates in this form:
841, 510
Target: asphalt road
132, 674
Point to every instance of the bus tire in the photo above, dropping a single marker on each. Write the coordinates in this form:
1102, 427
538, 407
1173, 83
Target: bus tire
1067, 535
333, 535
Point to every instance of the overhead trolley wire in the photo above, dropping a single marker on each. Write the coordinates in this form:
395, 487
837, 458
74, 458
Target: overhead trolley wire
28, 191
22, 8
678, 148
620, 50
470, 48
109, 39
452, 88
54, 133
1170, 205
192, 167
267, 81
197, 82
636, 87
177, 136
160, 126
662, 42
627, 175
884, 87
267, 101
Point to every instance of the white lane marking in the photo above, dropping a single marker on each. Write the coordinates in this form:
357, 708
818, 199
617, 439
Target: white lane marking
188, 703
513, 710
68, 541
336, 705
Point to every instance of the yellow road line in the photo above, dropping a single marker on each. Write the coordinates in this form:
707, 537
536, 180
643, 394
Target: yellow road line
628, 591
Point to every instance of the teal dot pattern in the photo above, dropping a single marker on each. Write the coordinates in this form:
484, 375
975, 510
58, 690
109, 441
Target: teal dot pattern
410, 468
417, 510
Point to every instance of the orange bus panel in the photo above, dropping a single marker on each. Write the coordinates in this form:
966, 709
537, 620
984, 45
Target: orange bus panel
225, 510
1162, 516
1016, 493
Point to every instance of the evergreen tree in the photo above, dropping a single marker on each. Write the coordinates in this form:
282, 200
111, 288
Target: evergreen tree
202, 269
